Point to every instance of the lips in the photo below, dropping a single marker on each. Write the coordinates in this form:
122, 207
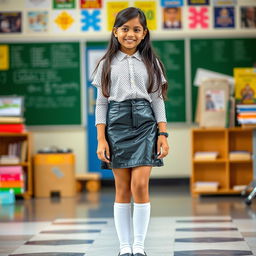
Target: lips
129, 40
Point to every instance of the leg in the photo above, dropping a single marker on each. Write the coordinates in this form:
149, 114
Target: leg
122, 208
122, 185
141, 212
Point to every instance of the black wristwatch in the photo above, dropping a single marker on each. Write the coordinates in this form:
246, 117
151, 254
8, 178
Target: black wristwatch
163, 133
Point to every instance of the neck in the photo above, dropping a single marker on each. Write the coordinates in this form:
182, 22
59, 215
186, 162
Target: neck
128, 51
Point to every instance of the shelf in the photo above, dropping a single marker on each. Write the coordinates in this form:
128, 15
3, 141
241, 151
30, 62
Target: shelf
19, 164
220, 160
13, 134
219, 191
5, 139
228, 172
241, 161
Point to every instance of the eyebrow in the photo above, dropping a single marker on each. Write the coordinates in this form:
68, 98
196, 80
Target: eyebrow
134, 26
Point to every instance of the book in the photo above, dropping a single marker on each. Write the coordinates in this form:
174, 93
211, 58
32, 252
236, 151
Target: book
11, 170
11, 176
206, 155
245, 85
16, 128
239, 187
9, 159
12, 184
240, 155
11, 120
206, 186
24, 148
16, 190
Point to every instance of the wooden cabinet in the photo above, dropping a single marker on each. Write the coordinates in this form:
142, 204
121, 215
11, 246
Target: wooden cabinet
8, 138
226, 172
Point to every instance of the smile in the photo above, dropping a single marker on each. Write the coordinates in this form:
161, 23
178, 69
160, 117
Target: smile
129, 40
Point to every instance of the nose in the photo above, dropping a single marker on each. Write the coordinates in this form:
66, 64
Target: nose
130, 32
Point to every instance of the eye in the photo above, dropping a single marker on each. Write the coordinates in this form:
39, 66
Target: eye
124, 29
137, 30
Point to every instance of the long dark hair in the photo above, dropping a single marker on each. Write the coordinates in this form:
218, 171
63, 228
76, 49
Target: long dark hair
145, 49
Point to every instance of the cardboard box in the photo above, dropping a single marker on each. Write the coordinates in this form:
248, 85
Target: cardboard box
54, 173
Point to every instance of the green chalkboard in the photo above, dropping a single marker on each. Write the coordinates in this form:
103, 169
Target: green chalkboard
220, 55
48, 76
172, 54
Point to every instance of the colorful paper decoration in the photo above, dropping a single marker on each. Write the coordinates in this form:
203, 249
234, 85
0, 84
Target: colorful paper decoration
149, 8
91, 19
198, 17
85, 4
112, 9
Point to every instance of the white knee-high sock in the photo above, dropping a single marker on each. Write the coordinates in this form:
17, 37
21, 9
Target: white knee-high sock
141, 216
122, 219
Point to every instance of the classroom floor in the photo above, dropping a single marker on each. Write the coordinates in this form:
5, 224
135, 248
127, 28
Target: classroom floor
180, 225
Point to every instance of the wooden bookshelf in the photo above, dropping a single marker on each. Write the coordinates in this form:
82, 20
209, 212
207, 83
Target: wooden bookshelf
5, 140
223, 170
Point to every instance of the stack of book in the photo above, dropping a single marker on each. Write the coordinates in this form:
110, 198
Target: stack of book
12, 124
17, 153
12, 178
239, 187
206, 186
246, 114
240, 155
206, 155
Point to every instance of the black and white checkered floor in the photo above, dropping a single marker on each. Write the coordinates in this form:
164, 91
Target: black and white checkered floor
167, 236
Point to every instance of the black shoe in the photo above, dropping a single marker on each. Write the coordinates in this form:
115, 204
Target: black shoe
139, 254
126, 254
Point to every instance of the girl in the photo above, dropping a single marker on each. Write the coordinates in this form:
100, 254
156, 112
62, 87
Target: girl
131, 122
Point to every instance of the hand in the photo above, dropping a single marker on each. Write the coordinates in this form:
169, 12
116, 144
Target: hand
103, 151
162, 143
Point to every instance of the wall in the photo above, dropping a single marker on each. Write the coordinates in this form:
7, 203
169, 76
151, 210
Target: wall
177, 163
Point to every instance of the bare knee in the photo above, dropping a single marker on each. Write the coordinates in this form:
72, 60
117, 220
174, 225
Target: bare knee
123, 192
139, 188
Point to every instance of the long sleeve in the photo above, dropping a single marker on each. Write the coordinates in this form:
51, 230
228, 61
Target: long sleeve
101, 101
158, 105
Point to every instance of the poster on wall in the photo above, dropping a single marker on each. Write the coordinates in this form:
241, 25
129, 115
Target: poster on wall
91, 20
38, 21
84, 4
112, 9
64, 21
224, 17
172, 18
225, 2
38, 4
63, 4
173, 3
198, 2
248, 17
10, 22
4, 57
198, 17
149, 8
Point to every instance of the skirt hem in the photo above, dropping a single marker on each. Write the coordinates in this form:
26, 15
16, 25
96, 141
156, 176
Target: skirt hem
107, 166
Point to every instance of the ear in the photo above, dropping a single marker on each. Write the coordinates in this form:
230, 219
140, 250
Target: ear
114, 31
144, 33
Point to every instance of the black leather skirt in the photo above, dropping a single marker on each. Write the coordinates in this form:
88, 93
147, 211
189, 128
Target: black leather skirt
131, 132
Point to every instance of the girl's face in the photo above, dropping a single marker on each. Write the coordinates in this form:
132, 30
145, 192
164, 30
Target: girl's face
129, 35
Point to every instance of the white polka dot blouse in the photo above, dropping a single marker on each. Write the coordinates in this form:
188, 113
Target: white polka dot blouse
128, 81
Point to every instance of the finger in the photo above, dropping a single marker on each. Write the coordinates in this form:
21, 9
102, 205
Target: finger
108, 153
158, 148
102, 157
106, 157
